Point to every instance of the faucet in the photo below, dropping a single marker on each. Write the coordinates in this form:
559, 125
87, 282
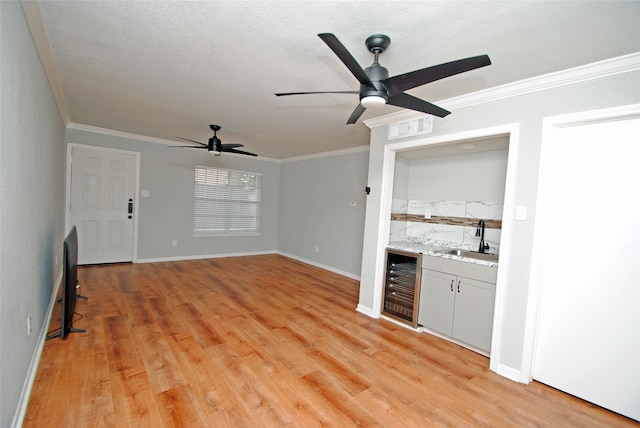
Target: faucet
480, 232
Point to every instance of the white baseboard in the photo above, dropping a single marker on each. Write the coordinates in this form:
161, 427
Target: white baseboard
367, 311
509, 372
321, 266
255, 253
202, 256
23, 401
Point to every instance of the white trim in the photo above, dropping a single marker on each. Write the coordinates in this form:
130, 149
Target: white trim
506, 245
31, 10
203, 257
145, 138
340, 152
253, 253
320, 265
27, 386
367, 311
549, 124
597, 70
508, 372
384, 226
136, 203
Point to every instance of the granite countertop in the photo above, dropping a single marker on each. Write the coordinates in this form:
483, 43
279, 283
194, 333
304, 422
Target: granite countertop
436, 251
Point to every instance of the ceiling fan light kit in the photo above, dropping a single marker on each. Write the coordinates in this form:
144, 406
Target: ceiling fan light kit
373, 101
378, 89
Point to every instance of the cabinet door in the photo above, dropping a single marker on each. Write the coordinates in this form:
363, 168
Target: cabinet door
473, 312
436, 301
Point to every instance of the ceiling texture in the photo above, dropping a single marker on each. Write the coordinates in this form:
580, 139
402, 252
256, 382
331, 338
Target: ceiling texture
163, 69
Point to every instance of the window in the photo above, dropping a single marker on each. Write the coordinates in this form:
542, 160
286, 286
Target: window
226, 202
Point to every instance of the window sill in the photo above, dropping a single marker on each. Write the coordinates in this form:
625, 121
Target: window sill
220, 234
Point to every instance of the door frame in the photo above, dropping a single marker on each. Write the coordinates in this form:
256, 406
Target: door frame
549, 125
67, 210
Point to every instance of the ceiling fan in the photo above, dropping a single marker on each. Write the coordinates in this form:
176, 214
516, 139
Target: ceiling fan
215, 144
378, 89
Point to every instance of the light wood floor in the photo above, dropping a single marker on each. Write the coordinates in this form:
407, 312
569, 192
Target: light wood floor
266, 341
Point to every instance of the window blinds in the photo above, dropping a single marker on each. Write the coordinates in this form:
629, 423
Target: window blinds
226, 201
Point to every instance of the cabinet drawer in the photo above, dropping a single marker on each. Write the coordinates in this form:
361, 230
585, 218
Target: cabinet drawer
457, 267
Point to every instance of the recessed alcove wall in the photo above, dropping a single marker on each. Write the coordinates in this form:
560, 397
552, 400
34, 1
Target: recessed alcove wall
458, 189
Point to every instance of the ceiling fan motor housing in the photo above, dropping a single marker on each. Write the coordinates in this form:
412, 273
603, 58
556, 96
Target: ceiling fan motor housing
215, 145
376, 74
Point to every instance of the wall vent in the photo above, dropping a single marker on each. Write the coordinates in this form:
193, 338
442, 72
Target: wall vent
409, 128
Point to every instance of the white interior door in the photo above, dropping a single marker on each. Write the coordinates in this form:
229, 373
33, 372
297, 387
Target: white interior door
103, 184
588, 335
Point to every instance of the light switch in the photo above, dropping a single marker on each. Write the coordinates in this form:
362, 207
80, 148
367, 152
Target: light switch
521, 212
144, 193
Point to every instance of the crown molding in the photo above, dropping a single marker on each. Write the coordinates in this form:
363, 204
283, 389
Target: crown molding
597, 70
340, 152
146, 138
31, 10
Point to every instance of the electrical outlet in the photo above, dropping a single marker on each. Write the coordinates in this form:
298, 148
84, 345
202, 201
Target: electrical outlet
427, 213
316, 249
174, 243
29, 325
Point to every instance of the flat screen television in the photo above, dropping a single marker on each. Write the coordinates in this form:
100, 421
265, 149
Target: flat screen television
69, 285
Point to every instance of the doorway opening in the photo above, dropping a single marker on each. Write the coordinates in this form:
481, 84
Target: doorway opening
451, 144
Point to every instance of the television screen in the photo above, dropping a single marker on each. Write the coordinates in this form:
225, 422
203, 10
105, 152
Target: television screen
69, 285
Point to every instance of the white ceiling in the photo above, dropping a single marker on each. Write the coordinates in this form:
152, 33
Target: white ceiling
170, 68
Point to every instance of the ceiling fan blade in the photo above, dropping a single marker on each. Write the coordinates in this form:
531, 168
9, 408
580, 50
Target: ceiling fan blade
231, 146
193, 141
403, 82
413, 103
346, 58
316, 92
356, 114
192, 147
240, 152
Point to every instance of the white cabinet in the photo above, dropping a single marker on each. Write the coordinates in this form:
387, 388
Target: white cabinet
458, 306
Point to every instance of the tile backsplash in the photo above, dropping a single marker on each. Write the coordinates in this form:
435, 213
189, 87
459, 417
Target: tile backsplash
452, 223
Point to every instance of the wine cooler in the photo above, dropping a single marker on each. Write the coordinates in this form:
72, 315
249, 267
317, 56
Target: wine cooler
402, 286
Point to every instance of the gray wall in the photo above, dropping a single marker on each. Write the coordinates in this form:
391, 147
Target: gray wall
529, 111
305, 204
31, 203
315, 211
469, 177
167, 214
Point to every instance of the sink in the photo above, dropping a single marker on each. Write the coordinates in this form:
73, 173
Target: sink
472, 255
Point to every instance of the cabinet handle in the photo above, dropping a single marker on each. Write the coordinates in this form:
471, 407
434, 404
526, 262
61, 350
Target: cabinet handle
452, 285
458, 286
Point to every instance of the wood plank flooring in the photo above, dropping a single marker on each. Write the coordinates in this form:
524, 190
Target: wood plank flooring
266, 341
